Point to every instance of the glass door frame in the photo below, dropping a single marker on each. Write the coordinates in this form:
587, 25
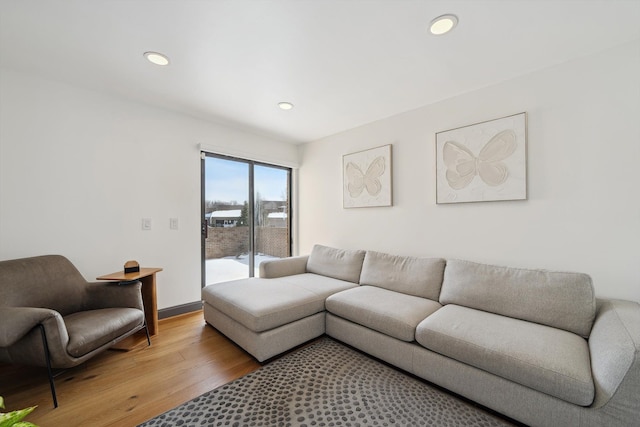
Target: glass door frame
250, 208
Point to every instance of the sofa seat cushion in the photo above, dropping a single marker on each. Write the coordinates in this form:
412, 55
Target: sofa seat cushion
262, 304
319, 285
391, 313
89, 330
550, 360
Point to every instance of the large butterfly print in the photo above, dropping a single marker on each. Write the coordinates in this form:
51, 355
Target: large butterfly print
357, 181
463, 166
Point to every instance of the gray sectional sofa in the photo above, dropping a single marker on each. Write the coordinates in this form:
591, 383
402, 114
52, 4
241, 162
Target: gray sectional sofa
534, 345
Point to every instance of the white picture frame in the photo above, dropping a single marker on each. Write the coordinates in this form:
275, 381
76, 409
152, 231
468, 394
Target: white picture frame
366, 177
483, 162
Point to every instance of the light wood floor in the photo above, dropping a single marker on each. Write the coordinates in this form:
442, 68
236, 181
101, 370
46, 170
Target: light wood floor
116, 388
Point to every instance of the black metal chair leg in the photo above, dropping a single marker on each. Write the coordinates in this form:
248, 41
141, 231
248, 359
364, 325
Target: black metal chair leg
146, 330
48, 360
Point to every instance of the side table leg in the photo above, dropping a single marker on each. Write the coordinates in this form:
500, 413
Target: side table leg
150, 301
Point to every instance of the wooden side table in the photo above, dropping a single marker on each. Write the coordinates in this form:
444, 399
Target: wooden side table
149, 298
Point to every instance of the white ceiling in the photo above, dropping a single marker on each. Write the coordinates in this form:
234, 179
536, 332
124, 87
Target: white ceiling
343, 63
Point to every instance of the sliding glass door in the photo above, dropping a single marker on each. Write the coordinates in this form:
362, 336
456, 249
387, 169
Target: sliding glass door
271, 204
245, 216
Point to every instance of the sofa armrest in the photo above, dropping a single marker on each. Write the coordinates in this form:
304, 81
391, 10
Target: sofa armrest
615, 349
16, 322
283, 267
112, 295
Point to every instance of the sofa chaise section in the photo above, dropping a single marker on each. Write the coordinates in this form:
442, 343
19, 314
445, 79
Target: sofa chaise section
286, 306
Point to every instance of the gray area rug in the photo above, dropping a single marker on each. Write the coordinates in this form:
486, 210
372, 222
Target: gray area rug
326, 384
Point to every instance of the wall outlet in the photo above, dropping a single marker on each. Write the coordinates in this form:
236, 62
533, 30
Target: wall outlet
173, 223
146, 223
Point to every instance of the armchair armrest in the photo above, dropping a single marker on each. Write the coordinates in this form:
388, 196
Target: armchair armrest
16, 322
111, 294
615, 359
283, 267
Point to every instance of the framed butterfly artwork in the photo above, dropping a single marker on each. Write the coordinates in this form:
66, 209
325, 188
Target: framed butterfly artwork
367, 178
483, 162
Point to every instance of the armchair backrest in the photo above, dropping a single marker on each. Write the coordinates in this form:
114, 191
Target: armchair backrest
48, 281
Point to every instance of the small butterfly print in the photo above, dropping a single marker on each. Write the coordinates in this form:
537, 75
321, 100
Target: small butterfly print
358, 181
463, 166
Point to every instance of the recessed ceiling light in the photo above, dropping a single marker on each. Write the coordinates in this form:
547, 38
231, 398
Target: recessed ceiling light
443, 24
157, 58
285, 105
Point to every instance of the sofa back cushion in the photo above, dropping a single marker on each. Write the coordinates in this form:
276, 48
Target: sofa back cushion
557, 299
421, 277
337, 263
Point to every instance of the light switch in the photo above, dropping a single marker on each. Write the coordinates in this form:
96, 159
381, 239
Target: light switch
146, 223
173, 223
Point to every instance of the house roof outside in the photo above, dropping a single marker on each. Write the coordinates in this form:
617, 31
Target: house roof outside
233, 213
277, 215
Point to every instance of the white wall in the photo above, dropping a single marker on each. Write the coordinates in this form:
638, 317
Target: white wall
79, 170
583, 211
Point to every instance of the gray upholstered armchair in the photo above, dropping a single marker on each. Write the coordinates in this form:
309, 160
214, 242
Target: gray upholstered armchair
50, 316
